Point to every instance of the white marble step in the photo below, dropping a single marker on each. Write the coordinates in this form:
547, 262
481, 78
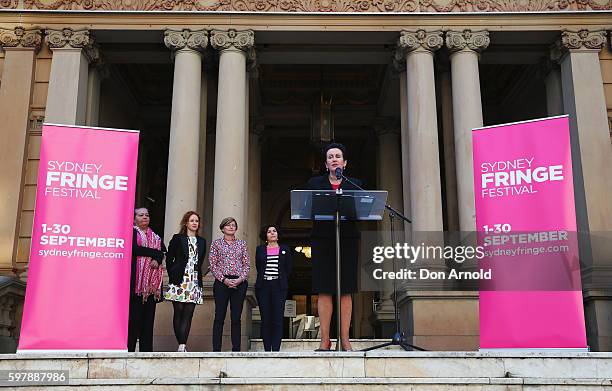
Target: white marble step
376, 370
309, 345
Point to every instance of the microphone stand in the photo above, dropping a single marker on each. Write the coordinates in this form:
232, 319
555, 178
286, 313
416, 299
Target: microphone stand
398, 339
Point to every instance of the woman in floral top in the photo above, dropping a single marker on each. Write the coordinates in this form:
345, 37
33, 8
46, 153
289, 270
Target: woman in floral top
184, 263
229, 263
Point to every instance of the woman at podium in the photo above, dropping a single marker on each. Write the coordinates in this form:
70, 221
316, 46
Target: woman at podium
323, 243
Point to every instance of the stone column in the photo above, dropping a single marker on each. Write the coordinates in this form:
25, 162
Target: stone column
467, 114
232, 142
98, 71
67, 94
552, 79
423, 151
389, 163
183, 156
584, 102
399, 64
231, 135
430, 319
20, 46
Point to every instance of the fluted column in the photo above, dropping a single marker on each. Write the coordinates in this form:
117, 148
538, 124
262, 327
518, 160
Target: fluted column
20, 46
584, 101
183, 155
231, 135
467, 114
423, 151
67, 93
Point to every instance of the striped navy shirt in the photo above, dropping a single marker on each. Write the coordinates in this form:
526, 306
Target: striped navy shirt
272, 262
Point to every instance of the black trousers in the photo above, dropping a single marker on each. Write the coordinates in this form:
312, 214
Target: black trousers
271, 300
235, 297
140, 326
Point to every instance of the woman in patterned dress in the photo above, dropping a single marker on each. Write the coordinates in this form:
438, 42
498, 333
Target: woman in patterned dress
229, 263
184, 263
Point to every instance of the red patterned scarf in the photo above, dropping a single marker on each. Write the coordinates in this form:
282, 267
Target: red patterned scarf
148, 280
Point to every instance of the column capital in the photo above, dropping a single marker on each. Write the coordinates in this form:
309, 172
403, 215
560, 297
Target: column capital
20, 37
93, 54
176, 40
68, 38
467, 40
420, 40
226, 39
582, 39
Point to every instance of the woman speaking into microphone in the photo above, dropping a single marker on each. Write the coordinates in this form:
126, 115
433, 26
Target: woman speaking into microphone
323, 243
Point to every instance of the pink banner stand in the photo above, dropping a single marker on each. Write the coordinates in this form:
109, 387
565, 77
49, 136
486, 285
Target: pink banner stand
526, 220
77, 293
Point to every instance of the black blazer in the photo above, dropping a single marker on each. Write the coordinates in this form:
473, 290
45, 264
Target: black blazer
326, 229
138, 251
178, 256
285, 263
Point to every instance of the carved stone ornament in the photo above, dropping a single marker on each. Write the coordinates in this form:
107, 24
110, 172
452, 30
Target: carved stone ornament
181, 39
67, 37
583, 39
225, 39
20, 37
379, 6
473, 40
420, 40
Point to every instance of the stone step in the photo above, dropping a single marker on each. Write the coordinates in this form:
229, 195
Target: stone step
330, 370
309, 345
418, 384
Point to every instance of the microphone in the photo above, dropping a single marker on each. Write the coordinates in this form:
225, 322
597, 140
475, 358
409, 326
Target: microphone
338, 173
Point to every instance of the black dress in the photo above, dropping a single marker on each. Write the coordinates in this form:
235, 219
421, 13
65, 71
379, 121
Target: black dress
323, 243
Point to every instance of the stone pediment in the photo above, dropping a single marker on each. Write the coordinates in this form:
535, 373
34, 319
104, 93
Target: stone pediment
312, 6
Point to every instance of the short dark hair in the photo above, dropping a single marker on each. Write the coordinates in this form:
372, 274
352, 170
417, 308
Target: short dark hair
226, 221
263, 234
341, 147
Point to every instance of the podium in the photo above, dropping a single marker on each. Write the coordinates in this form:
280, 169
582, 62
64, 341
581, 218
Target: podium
337, 205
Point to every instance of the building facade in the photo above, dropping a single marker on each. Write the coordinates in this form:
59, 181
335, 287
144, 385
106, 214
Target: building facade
227, 94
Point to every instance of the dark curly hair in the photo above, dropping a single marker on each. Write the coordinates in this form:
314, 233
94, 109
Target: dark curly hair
263, 234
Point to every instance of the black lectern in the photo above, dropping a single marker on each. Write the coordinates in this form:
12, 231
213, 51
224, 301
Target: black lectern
337, 205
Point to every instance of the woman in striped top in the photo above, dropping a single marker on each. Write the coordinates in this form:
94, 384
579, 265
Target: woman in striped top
273, 262
229, 263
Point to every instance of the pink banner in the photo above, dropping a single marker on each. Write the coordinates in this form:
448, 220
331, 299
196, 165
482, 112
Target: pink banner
526, 222
78, 283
